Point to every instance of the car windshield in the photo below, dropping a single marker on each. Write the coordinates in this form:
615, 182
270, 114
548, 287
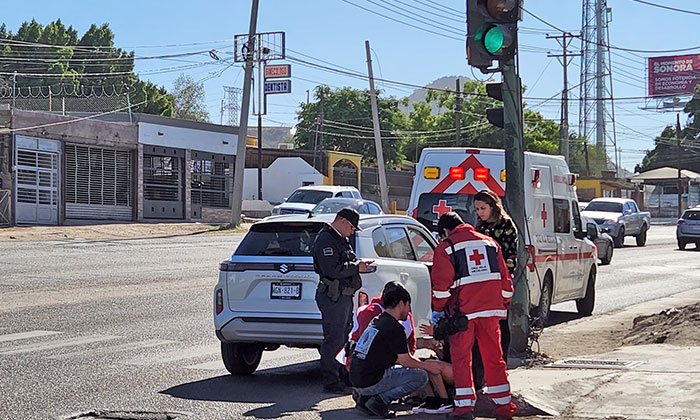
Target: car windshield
331, 207
308, 196
604, 206
294, 239
691, 215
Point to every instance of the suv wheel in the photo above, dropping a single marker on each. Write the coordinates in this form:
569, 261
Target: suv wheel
585, 306
642, 237
620, 238
681, 244
241, 358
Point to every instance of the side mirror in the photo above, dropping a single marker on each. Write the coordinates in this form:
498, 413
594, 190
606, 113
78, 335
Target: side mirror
592, 231
284, 199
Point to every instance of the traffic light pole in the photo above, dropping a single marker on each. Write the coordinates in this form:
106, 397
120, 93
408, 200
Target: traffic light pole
515, 201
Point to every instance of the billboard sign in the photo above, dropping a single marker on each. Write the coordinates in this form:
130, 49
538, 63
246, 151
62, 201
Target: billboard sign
673, 75
278, 86
278, 71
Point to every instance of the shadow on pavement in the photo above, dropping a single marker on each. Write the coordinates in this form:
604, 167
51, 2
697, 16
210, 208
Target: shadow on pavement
289, 389
560, 317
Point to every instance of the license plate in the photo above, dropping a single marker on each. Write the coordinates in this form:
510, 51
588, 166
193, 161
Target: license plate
285, 290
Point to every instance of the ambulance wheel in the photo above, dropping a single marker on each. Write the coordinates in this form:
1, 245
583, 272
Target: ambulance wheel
241, 358
542, 312
585, 306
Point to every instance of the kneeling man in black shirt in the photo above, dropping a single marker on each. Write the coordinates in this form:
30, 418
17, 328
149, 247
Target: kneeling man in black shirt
381, 346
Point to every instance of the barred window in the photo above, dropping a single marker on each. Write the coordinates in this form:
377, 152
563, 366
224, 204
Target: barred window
210, 183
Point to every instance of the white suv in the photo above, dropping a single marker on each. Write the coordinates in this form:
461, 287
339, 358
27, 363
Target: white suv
265, 294
303, 199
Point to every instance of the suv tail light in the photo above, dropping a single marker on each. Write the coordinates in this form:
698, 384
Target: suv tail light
219, 301
362, 299
530, 257
681, 221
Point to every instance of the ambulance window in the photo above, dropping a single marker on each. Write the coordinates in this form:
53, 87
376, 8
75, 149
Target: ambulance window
399, 246
562, 216
421, 244
578, 227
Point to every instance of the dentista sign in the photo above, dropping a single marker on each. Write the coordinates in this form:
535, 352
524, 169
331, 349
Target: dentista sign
673, 75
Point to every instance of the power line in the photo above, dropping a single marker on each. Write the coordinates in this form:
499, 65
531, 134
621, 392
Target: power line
611, 46
418, 18
402, 22
667, 7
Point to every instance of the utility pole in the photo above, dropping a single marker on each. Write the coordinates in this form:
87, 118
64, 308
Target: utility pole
565, 56
260, 85
515, 200
458, 113
678, 149
239, 168
377, 134
585, 154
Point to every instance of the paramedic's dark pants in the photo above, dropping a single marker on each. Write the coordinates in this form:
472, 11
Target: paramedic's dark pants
478, 364
337, 317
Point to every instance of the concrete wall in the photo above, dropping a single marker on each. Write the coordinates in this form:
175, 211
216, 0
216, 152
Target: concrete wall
187, 138
280, 179
89, 132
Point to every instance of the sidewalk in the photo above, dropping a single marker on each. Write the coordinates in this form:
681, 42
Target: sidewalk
110, 230
663, 386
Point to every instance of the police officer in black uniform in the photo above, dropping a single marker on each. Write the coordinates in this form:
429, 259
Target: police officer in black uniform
339, 272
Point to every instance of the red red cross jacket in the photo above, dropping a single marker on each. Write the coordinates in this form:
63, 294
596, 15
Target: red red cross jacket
478, 278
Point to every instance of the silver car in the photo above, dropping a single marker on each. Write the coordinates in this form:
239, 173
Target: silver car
265, 294
688, 228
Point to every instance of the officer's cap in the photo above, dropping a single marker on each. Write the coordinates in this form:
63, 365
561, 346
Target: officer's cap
351, 215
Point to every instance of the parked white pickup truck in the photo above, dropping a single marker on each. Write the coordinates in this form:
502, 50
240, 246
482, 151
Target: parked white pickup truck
619, 217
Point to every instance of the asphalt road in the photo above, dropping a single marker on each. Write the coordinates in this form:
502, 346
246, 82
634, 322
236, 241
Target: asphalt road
126, 325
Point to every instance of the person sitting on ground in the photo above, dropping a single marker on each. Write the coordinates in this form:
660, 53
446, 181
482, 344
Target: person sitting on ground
383, 343
434, 404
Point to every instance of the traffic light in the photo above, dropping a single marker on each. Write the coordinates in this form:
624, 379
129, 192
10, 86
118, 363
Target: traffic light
492, 30
495, 115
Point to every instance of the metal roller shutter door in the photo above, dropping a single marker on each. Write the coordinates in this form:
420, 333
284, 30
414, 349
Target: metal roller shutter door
98, 183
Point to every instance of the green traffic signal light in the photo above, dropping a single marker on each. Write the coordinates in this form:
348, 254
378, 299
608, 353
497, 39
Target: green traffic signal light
493, 40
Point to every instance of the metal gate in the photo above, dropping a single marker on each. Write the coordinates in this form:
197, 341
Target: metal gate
36, 187
345, 175
4, 207
163, 183
98, 183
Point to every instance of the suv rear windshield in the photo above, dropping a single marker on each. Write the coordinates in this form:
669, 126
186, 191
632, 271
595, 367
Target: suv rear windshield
431, 205
604, 206
294, 239
308, 196
691, 215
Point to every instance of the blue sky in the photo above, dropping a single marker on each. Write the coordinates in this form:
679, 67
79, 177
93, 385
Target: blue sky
335, 31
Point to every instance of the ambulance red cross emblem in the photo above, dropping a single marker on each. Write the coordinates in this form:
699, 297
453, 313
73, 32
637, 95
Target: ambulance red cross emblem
441, 208
544, 215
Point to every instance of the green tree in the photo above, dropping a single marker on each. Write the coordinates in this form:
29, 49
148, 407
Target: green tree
539, 135
347, 124
63, 58
189, 99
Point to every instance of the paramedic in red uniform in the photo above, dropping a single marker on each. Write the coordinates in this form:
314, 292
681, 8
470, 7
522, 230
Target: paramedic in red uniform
470, 276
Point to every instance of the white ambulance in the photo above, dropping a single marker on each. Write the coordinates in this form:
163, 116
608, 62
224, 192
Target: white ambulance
561, 259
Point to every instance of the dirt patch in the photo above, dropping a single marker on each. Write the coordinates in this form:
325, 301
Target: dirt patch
558, 342
104, 231
678, 326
